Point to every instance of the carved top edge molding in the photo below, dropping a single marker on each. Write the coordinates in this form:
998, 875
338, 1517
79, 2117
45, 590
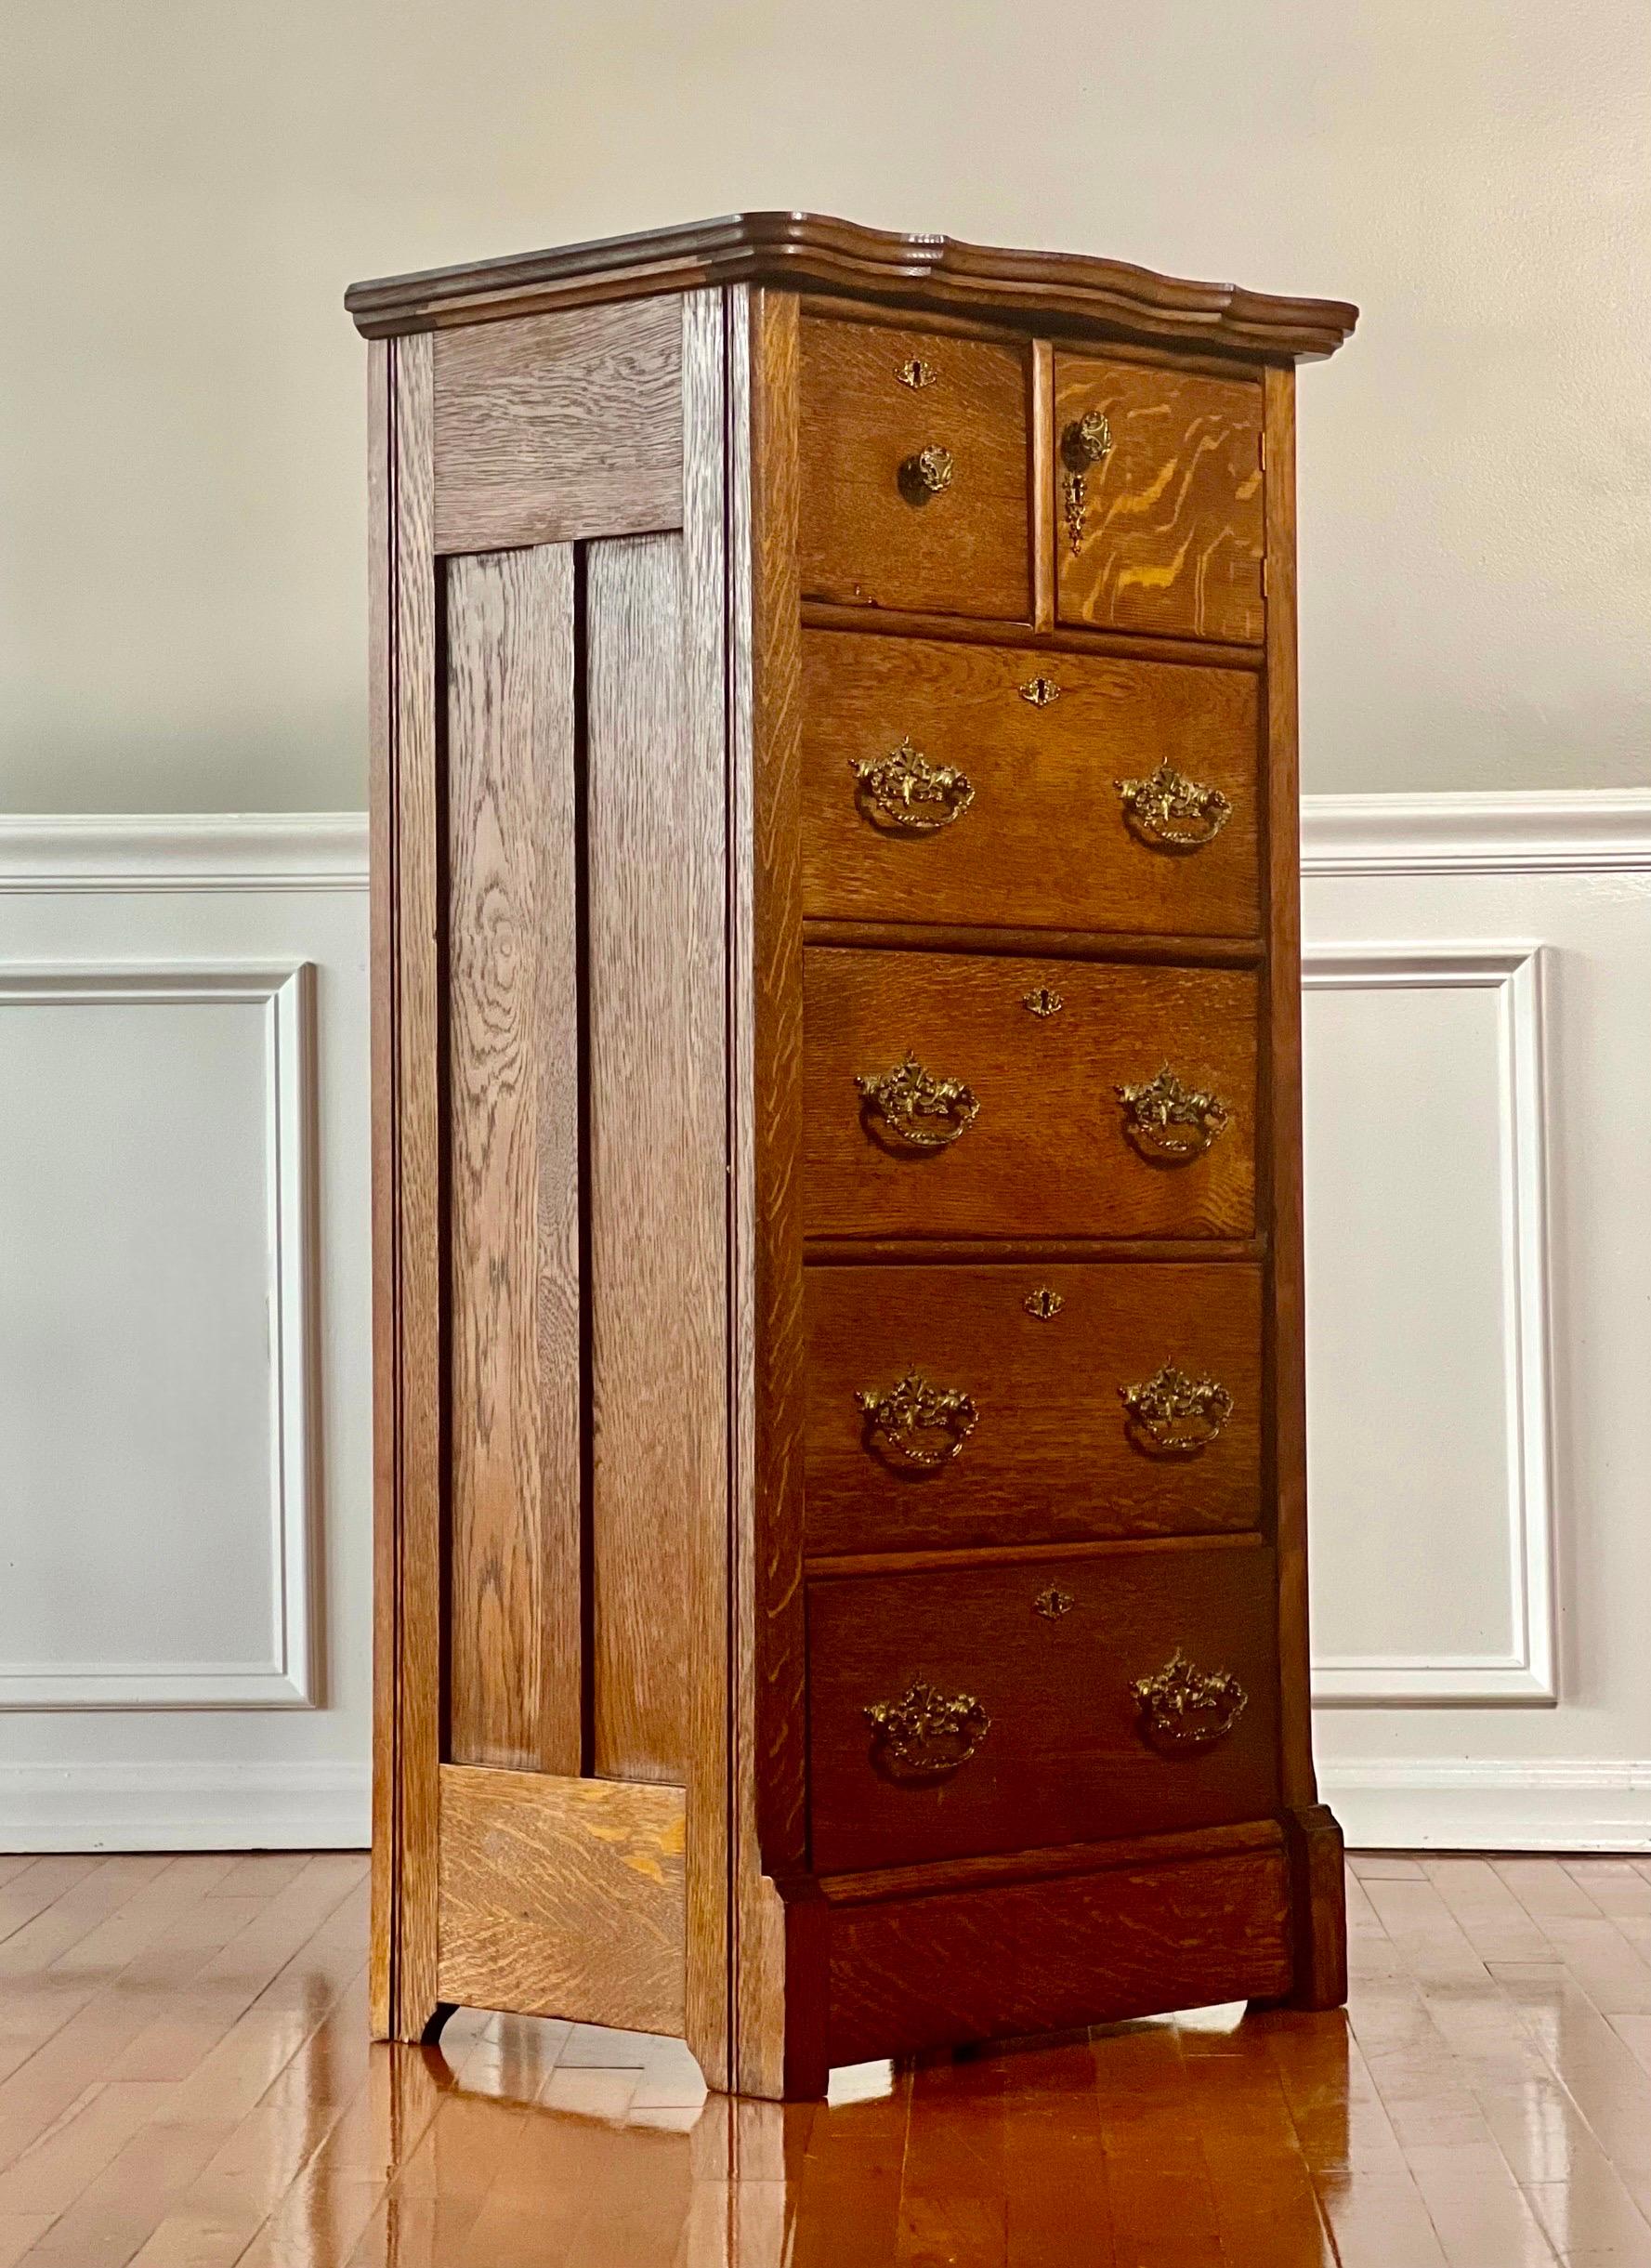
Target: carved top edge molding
806, 249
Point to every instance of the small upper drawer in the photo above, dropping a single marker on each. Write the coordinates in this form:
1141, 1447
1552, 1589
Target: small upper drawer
1040, 1702
953, 1405
915, 470
968, 1094
1158, 521
1000, 784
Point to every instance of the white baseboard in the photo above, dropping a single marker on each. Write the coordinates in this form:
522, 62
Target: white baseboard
1419, 1804
289, 1806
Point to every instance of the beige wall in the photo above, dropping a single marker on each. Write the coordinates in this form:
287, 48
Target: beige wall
188, 187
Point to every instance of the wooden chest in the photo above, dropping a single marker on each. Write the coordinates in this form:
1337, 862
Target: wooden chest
841, 1578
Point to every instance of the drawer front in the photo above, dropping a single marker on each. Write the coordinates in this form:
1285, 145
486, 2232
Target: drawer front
915, 470
1007, 1718
1164, 532
967, 1405
990, 1102
967, 783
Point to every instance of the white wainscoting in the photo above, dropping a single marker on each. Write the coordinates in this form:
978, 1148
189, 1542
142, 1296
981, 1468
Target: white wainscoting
184, 1442
1478, 1186
185, 1451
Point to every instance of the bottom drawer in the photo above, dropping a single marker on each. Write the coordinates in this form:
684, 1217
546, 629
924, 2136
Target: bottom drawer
1045, 1957
972, 1709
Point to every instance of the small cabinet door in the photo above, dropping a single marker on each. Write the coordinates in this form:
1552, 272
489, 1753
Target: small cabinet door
1157, 513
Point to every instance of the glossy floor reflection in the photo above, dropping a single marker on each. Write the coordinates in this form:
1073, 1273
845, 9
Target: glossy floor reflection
185, 2082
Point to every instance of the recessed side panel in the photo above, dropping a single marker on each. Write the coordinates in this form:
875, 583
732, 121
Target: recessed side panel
513, 1164
658, 1148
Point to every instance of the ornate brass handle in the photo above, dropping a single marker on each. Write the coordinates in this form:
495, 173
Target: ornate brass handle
916, 1108
926, 474
1172, 812
904, 793
1176, 1414
1185, 1710
1169, 1123
915, 1426
1085, 443
926, 1733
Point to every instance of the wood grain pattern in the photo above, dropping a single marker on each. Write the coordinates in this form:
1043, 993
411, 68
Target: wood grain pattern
406, 1179
559, 426
803, 249
863, 540
1282, 1158
563, 1898
655, 823
1051, 1455
711, 1513
1045, 840
750, 2029
1174, 524
1065, 1760
778, 1758
1120, 645
512, 1057
1043, 1956
998, 1868
1047, 1154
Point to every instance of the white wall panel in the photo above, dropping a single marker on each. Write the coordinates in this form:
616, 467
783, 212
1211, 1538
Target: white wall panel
1478, 1088
185, 1457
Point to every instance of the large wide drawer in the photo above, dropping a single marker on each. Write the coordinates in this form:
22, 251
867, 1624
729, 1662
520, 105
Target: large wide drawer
977, 1095
1125, 1691
914, 469
968, 784
1006, 1404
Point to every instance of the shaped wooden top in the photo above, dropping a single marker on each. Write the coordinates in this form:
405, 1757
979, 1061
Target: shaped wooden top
1063, 289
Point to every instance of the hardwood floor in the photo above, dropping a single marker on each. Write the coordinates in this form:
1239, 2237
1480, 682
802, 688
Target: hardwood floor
186, 2082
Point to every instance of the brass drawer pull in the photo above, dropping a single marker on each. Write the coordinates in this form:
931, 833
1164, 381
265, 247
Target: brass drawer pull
1169, 1123
926, 474
1085, 443
1170, 812
1176, 1414
916, 1426
926, 1733
920, 1110
904, 793
1185, 1710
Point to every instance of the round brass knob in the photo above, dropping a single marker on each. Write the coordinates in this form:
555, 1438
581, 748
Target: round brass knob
926, 474
1087, 441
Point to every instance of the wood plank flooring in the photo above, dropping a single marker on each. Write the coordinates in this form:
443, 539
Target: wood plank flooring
186, 2082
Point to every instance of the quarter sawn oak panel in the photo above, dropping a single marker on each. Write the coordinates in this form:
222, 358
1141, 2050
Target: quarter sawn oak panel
1052, 1456
1173, 526
1045, 841
1047, 1154
513, 1504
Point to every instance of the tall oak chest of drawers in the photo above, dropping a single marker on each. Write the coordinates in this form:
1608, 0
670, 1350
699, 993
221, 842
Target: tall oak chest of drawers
840, 1580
